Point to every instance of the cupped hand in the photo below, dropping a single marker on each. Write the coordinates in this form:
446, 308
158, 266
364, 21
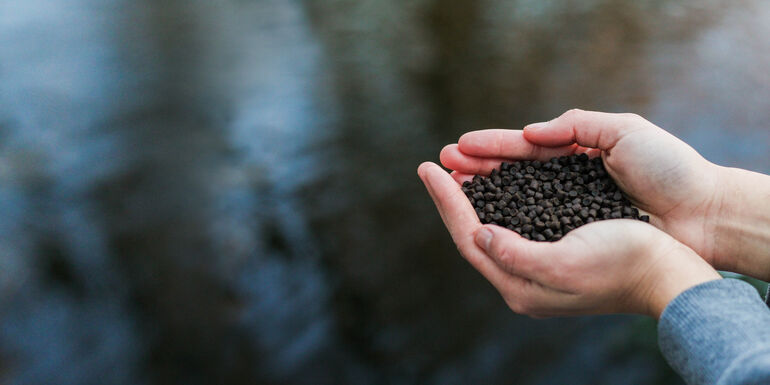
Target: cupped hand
661, 174
616, 266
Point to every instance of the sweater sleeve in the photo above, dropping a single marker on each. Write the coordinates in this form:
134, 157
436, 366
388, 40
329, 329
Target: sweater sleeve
717, 333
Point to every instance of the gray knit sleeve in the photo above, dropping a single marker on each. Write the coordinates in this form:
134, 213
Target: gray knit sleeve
767, 296
717, 333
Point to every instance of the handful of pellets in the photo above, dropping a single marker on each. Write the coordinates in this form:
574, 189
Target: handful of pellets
543, 201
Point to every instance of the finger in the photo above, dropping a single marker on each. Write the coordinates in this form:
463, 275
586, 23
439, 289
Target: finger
516, 255
586, 128
460, 177
533, 298
539, 262
507, 144
460, 219
452, 158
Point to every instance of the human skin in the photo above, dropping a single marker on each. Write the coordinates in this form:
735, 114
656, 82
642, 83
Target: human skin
742, 229
615, 266
723, 214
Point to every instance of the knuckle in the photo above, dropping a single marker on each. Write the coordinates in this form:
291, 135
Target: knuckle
536, 152
556, 273
633, 117
505, 256
517, 307
573, 113
563, 274
524, 307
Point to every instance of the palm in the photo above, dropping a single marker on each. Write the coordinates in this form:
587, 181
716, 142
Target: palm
668, 179
612, 248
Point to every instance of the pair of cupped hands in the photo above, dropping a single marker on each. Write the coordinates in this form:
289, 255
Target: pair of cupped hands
613, 266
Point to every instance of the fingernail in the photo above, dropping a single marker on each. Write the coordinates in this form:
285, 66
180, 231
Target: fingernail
484, 238
535, 126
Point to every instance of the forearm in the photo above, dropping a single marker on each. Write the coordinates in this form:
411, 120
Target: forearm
716, 333
741, 230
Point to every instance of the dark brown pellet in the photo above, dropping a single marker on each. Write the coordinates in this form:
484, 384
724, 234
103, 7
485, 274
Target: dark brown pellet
543, 201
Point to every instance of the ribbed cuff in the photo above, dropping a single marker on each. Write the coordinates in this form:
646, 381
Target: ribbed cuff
710, 326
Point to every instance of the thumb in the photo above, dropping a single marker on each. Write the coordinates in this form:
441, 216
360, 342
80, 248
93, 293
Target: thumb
586, 128
513, 253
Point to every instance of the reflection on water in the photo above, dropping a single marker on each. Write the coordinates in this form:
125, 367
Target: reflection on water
195, 192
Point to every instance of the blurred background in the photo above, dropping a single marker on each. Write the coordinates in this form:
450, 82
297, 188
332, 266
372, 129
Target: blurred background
224, 191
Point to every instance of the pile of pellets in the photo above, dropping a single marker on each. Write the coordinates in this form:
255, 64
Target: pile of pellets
543, 201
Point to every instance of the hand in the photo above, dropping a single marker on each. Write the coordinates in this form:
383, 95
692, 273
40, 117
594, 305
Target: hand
618, 266
661, 174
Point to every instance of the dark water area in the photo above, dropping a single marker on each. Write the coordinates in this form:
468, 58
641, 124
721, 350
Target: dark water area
225, 192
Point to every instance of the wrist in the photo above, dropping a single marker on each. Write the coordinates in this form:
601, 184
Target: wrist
683, 269
720, 212
740, 227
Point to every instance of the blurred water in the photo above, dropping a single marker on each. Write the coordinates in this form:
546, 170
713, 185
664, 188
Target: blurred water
198, 192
